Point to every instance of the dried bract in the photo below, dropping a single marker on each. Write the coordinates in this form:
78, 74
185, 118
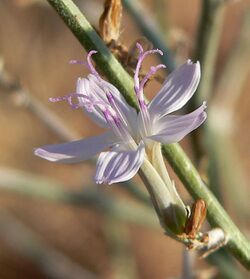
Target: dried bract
196, 218
110, 21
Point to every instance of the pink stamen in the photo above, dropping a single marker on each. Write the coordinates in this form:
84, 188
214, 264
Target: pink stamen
69, 99
139, 46
142, 56
139, 85
149, 74
78, 62
90, 64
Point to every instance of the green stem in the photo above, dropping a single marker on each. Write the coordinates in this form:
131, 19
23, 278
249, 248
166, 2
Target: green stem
206, 50
207, 43
90, 40
87, 36
217, 216
208, 38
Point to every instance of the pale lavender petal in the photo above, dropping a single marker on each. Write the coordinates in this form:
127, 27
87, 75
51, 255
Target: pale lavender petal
118, 166
83, 87
176, 91
100, 87
75, 151
173, 128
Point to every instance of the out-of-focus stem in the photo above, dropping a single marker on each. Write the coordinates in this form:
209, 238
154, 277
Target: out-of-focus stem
120, 250
210, 27
148, 27
208, 37
75, 20
39, 187
223, 106
161, 9
23, 98
53, 263
136, 192
225, 265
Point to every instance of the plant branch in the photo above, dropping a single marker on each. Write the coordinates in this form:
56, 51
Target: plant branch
210, 27
21, 97
27, 184
220, 137
53, 263
87, 36
207, 43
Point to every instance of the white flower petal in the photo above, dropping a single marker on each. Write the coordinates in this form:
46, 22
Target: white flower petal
173, 128
75, 151
100, 87
118, 166
83, 87
176, 91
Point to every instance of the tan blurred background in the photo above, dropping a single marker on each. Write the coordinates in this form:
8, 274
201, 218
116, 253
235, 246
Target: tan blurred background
35, 47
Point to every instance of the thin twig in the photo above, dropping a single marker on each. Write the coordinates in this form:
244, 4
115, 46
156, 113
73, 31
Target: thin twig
53, 263
210, 27
120, 250
228, 92
39, 187
23, 98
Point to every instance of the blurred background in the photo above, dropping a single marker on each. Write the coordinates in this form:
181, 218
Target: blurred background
54, 221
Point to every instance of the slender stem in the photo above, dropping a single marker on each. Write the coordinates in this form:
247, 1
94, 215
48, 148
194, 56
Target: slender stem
217, 216
206, 50
210, 27
207, 43
53, 263
39, 187
120, 249
83, 31
23, 98
226, 265
162, 16
220, 136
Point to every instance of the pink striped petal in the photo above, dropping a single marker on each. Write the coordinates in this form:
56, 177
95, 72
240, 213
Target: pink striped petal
75, 151
176, 91
83, 87
118, 166
173, 128
101, 87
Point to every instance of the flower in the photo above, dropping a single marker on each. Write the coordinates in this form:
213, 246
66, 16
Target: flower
130, 135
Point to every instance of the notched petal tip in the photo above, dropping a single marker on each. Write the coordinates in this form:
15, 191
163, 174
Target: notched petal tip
204, 104
159, 51
190, 62
42, 153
